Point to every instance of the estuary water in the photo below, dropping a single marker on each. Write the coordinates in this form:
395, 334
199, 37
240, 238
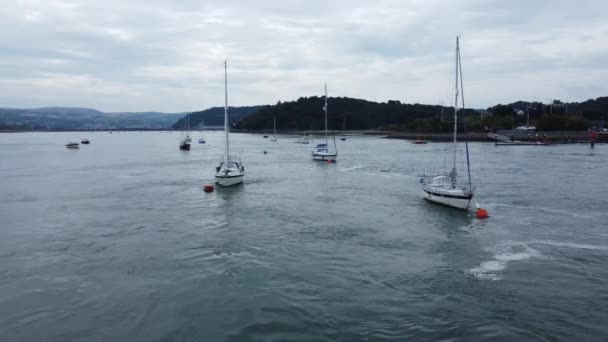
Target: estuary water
116, 241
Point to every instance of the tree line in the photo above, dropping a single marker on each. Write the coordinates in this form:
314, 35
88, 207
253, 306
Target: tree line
306, 113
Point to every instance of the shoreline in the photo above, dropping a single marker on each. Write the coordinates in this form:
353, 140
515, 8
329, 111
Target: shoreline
549, 136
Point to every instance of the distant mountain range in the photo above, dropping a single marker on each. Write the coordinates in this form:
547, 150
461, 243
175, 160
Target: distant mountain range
66, 118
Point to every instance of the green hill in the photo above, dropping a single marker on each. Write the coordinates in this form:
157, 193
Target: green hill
349, 113
215, 116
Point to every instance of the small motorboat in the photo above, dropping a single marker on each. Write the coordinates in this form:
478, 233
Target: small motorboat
343, 138
419, 142
72, 144
265, 136
201, 141
85, 141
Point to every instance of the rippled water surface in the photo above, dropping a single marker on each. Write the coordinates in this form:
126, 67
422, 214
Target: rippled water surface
117, 242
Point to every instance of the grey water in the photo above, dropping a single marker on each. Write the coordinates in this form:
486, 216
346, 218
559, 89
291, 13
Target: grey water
116, 241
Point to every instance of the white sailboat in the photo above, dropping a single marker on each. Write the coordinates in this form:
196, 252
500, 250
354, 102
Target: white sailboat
184, 143
445, 189
322, 151
274, 137
230, 170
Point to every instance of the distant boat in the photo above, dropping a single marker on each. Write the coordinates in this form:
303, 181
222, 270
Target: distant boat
322, 151
522, 143
265, 136
274, 137
419, 142
184, 143
302, 140
445, 189
85, 141
231, 170
501, 140
343, 138
72, 144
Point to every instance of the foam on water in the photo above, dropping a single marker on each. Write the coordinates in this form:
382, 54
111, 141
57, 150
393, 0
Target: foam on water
512, 251
570, 245
352, 168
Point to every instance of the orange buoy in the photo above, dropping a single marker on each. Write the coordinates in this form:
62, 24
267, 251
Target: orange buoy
481, 213
208, 188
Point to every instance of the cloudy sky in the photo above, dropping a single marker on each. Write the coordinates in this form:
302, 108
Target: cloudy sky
136, 55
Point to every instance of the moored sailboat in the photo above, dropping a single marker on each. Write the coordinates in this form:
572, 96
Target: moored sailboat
184, 143
322, 151
230, 171
274, 137
445, 189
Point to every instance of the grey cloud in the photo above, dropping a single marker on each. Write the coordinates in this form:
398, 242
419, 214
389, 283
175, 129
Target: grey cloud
162, 55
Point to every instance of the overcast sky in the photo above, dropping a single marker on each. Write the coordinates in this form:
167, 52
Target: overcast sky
136, 55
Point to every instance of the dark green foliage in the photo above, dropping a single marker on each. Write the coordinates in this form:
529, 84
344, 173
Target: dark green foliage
559, 123
354, 114
215, 116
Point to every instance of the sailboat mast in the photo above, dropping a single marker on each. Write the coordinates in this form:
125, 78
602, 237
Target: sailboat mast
325, 114
227, 151
466, 142
456, 105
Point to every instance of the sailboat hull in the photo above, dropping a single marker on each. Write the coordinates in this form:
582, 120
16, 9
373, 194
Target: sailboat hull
229, 180
324, 156
450, 200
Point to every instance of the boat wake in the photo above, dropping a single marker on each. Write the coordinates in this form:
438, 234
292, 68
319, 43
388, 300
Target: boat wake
512, 251
352, 168
569, 245
567, 212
